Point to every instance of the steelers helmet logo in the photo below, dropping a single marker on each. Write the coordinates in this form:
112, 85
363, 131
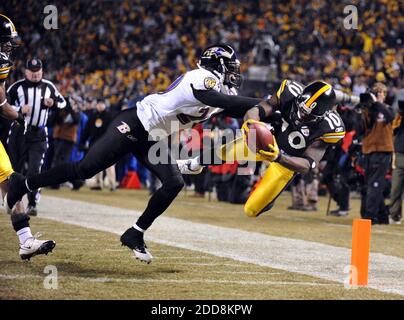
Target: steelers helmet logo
209, 83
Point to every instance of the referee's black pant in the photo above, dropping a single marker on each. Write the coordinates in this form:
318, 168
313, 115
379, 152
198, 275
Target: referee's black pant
26, 152
125, 134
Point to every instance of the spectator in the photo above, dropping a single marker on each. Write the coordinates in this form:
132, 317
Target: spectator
97, 125
305, 192
377, 147
128, 34
398, 168
65, 132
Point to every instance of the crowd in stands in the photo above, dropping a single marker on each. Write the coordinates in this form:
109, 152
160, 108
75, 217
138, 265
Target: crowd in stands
119, 51
129, 48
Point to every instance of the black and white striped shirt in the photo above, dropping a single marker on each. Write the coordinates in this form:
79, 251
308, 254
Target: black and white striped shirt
25, 92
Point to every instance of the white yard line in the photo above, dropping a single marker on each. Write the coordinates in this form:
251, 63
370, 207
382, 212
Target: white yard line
205, 264
265, 273
292, 255
171, 281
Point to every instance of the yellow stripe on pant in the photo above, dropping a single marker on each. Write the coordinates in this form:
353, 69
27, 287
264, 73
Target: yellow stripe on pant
276, 178
5, 165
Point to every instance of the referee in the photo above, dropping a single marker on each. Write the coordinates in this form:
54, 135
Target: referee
34, 97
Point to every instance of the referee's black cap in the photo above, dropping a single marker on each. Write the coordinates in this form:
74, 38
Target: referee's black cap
34, 64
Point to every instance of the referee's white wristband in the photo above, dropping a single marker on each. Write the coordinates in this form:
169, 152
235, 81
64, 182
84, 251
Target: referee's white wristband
3, 103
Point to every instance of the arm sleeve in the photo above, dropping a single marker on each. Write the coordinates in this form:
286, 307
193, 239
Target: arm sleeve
233, 106
60, 101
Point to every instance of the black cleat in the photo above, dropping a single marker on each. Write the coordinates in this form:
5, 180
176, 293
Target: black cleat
133, 239
16, 190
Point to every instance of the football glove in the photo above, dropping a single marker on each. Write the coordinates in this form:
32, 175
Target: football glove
274, 154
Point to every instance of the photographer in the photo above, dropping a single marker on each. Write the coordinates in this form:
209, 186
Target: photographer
377, 148
398, 167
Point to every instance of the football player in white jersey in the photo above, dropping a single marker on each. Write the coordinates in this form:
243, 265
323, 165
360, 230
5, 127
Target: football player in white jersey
192, 98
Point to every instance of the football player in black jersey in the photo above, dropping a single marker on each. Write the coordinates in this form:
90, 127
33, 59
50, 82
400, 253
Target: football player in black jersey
304, 125
307, 124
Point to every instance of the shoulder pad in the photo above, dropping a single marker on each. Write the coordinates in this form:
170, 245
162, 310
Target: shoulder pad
202, 79
289, 88
5, 66
287, 93
332, 127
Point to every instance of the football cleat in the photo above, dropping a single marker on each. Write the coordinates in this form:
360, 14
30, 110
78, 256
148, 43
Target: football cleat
32, 247
133, 239
189, 166
16, 190
339, 213
394, 221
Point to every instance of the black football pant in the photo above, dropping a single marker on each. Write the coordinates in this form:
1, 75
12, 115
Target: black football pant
377, 164
30, 149
125, 134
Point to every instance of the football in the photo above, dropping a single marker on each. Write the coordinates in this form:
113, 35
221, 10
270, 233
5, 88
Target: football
259, 136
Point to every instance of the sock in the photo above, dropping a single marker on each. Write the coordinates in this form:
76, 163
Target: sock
23, 234
135, 226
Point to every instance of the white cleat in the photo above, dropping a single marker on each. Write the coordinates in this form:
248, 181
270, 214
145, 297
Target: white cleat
32, 247
143, 255
133, 239
392, 221
189, 166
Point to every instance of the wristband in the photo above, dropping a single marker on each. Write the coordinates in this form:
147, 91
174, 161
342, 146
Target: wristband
312, 163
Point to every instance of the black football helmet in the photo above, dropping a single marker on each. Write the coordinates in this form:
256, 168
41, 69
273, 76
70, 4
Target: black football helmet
8, 35
222, 59
313, 104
